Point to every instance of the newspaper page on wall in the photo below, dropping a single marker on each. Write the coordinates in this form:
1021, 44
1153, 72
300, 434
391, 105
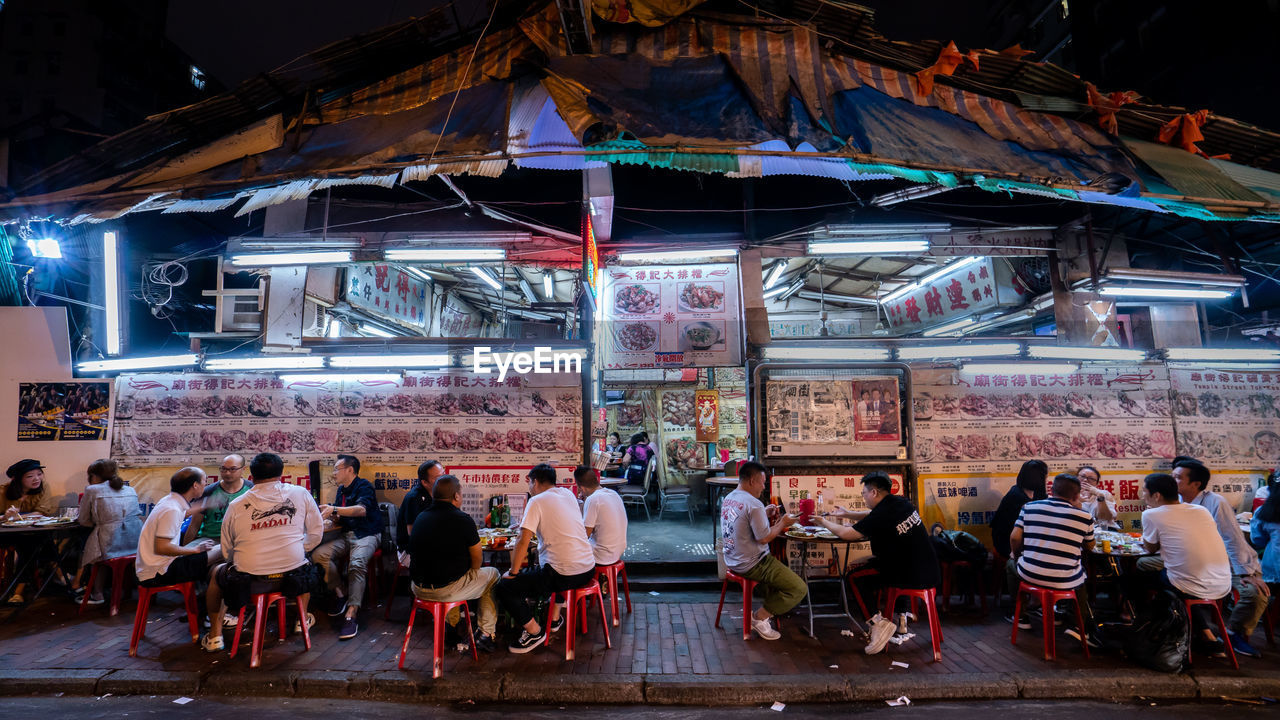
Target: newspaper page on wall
671, 316
825, 416
1230, 419
974, 431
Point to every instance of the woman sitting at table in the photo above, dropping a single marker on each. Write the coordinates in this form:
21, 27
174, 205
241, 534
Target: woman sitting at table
26, 494
111, 508
637, 458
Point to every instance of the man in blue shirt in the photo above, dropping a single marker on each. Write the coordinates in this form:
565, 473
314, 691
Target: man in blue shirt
355, 512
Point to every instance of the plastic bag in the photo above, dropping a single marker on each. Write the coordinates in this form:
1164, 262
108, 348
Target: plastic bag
1161, 635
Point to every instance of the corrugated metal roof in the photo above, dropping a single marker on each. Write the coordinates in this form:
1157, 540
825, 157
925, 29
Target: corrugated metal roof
1191, 175
1262, 182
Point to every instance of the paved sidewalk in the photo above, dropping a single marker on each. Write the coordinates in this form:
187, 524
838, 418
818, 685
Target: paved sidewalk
666, 651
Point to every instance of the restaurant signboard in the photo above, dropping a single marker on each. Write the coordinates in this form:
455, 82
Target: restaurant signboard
671, 316
387, 292
967, 290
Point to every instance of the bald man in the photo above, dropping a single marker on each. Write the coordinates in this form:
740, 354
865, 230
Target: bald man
207, 512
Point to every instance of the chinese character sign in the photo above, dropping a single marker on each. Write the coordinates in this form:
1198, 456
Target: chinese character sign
971, 288
387, 292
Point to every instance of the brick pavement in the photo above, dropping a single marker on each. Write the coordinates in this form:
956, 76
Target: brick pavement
660, 638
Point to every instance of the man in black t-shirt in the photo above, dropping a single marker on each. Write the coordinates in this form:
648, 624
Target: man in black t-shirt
902, 552
446, 559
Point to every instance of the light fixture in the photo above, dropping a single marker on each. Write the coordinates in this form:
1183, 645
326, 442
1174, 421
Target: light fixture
1024, 368
322, 377
283, 362
45, 248
1171, 277
867, 247
1172, 293
830, 297
139, 363
1221, 354
549, 286
446, 254
415, 272
325, 257
664, 255
390, 360
1059, 352
928, 352
527, 289
782, 292
111, 275
887, 230
775, 274
825, 353
374, 330
945, 269
912, 193
465, 236
956, 326
486, 276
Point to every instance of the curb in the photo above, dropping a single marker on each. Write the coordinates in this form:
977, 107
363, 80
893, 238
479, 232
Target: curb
656, 690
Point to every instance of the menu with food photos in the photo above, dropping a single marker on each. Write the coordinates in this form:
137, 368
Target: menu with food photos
671, 316
458, 418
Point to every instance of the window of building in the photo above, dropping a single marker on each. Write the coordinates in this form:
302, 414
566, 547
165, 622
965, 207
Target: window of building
197, 78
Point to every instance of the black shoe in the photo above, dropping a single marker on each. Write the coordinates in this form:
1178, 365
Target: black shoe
349, 629
527, 642
484, 643
338, 607
556, 624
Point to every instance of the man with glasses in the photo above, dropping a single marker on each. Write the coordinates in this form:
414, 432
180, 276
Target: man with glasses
207, 512
355, 511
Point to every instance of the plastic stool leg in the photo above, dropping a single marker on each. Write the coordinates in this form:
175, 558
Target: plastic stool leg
747, 588
118, 577
570, 636
724, 586
603, 622
437, 641
1084, 637
235, 641
626, 587
471, 632
193, 609
302, 620
408, 632
1017, 615
1050, 651
259, 629
140, 621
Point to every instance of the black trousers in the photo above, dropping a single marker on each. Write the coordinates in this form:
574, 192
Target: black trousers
518, 595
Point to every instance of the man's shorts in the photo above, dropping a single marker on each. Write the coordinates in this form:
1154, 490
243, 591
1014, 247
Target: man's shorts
184, 568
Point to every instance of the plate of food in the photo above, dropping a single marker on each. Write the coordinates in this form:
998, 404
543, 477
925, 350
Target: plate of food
801, 534
637, 336
700, 335
637, 299
45, 522
24, 522
701, 297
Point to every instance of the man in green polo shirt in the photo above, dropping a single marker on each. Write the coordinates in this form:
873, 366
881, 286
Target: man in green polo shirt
206, 514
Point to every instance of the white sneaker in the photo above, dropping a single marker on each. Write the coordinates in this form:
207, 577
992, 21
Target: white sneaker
903, 619
311, 621
230, 621
881, 631
764, 629
211, 642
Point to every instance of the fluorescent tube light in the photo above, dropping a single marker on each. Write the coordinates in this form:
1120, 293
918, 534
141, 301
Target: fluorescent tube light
484, 275
782, 292
1024, 368
376, 331
111, 273
1172, 277
927, 352
1221, 354
328, 257
138, 363
284, 362
390, 360
1059, 352
340, 377
832, 297
867, 247
548, 286
825, 353
446, 254
527, 289
948, 327
662, 255
775, 274
1170, 293
887, 229
929, 278
415, 272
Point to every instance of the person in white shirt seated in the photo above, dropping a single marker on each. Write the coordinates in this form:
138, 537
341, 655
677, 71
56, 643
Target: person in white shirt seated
568, 561
604, 516
1099, 503
162, 559
266, 535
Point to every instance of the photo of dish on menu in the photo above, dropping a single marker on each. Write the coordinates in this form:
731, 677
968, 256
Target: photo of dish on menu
671, 316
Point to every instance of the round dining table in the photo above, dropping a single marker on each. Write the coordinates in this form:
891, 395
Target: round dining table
39, 541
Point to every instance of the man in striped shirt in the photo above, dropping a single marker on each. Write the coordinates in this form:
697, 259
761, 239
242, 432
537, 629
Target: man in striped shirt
1049, 539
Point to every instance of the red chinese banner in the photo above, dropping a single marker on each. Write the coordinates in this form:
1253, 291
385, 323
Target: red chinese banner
707, 415
970, 289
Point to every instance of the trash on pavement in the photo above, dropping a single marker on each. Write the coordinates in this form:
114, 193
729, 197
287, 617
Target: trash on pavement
182, 700
778, 707
902, 700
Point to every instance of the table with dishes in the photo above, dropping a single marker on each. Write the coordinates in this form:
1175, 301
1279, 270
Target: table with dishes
496, 545
1119, 552
41, 536
812, 535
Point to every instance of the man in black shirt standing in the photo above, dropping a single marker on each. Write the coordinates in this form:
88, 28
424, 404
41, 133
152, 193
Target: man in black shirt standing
355, 511
445, 554
904, 555
417, 500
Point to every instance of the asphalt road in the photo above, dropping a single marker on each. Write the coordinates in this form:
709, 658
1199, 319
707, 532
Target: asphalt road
90, 708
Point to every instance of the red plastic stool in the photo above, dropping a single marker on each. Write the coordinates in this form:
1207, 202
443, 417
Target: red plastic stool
261, 603
575, 607
119, 568
929, 596
188, 590
611, 574
1217, 614
439, 611
1048, 599
948, 572
748, 587
861, 572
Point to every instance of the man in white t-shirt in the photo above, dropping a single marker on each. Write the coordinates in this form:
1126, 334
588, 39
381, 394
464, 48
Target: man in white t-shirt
1192, 559
604, 516
568, 562
266, 535
162, 559
746, 532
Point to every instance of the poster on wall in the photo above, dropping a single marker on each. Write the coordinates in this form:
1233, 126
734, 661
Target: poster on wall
462, 419
974, 431
76, 410
877, 413
734, 438
671, 316
707, 410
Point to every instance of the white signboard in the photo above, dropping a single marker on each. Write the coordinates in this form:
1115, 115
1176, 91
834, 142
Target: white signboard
387, 292
671, 316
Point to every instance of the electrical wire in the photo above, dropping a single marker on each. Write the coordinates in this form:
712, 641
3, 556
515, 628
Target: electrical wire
444, 127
